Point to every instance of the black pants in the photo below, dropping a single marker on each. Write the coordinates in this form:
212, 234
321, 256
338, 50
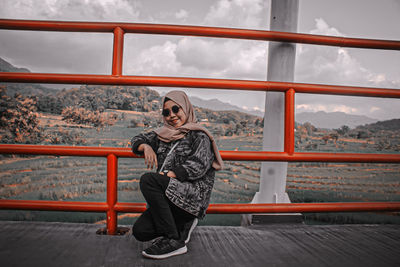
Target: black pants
162, 217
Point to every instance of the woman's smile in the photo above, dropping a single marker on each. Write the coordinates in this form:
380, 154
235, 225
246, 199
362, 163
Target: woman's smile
174, 119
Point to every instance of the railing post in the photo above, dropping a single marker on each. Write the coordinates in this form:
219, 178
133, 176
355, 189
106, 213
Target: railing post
289, 121
112, 180
118, 51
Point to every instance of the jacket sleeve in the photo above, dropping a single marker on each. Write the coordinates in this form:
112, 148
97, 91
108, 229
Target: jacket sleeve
149, 138
198, 162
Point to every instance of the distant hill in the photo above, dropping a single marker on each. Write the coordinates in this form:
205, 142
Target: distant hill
22, 88
333, 120
389, 125
321, 119
217, 105
101, 97
7, 67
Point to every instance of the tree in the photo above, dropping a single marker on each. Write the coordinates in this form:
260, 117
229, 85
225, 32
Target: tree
18, 119
84, 116
343, 130
309, 127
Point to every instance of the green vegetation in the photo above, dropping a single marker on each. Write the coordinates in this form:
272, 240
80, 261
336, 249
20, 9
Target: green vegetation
18, 119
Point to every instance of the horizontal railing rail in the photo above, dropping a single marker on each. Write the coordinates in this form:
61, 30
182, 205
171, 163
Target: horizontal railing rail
112, 206
85, 151
214, 208
157, 81
201, 31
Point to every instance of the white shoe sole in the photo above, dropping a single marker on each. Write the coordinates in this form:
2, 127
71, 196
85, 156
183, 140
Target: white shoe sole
179, 251
194, 224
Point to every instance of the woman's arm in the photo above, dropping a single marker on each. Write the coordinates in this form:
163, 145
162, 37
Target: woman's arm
149, 138
198, 162
146, 143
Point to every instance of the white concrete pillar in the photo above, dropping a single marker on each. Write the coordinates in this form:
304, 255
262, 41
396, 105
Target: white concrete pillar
281, 62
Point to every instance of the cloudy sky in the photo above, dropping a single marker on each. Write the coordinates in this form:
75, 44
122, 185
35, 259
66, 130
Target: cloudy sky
56, 52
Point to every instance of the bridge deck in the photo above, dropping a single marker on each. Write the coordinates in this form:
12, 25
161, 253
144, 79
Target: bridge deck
68, 244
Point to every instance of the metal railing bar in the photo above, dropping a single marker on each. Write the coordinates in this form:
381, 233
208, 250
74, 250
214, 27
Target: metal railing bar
303, 207
112, 193
53, 205
289, 121
241, 208
310, 157
220, 208
118, 51
143, 28
197, 83
82, 151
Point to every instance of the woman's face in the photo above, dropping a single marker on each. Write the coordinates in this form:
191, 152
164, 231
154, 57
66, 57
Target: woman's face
174, 119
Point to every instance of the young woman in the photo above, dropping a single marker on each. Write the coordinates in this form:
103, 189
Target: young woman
186, 157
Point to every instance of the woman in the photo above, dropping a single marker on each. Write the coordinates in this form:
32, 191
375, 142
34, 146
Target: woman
178, 193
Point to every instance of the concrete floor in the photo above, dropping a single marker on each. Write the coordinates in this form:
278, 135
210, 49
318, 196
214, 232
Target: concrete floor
68, 244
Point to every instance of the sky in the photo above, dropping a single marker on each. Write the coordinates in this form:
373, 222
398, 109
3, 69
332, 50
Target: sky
161, 55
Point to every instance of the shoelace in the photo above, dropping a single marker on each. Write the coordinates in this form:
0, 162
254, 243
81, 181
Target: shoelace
158, 239
163, 243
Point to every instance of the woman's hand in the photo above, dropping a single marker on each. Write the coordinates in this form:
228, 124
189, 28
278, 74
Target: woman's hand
150, 157
170, 174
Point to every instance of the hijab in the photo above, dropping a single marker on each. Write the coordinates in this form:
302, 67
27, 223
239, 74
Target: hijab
168, 133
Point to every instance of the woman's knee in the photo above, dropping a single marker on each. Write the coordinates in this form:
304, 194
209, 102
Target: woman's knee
146, 180
138, 233
143, 229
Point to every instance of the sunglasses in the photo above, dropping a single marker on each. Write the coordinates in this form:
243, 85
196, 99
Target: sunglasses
167, 112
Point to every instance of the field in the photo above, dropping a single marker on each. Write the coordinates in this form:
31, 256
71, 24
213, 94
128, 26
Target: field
84, 179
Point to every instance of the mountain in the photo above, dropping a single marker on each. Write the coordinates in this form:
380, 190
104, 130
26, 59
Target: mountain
217, 105
333, 120
22, 88
389, 125
7, 67
320, 119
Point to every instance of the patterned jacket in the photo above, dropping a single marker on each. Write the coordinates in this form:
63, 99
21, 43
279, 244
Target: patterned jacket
191, 161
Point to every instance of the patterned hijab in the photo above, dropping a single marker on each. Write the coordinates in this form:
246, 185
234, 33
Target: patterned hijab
168, 133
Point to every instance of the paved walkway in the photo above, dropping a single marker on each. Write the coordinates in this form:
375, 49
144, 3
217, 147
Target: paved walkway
67, 244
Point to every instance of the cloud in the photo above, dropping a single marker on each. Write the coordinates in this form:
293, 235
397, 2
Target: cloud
322, 64
182, 14
326, 108
63, 52
374, 109
156, 60
111, 10
200, 57
57, 52
337, 66
203, 54
233, 59
238, 13
322, 28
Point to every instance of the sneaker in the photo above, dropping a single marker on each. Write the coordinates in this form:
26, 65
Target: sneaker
165, 248
188, 229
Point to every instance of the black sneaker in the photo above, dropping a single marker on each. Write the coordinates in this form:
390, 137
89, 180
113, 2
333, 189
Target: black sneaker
188, 229
165, 248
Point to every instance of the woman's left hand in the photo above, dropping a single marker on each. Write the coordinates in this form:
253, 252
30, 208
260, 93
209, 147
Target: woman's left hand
170, 174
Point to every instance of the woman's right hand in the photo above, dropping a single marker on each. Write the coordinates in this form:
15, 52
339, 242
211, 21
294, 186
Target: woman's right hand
150, 157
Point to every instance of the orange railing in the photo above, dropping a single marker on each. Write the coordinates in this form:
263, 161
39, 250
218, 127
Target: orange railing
112, 206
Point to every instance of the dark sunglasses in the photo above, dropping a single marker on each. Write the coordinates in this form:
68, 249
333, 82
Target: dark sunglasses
166, 112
